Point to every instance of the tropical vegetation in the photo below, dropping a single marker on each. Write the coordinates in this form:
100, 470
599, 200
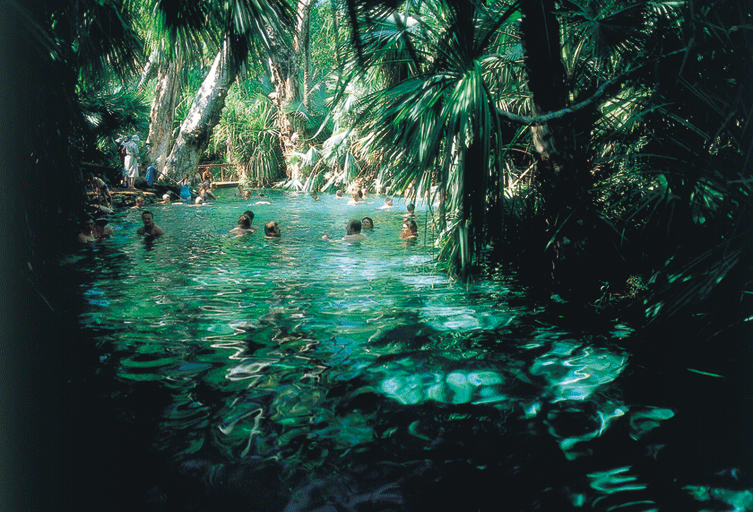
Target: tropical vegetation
600, 147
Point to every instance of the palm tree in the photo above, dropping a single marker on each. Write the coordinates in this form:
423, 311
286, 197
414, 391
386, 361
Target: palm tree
240, 27
437, 118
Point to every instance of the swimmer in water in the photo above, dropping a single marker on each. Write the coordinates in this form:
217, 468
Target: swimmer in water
139, 202
410, 230
244, 226
101, 229
387, 204
86, 235
149, 228
352, 232
356, 197
250, 215
271, 230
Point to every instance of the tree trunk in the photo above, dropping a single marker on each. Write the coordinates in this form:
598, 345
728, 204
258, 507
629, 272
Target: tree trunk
562, 177
166, 97
285, 66
304, 46
203, 116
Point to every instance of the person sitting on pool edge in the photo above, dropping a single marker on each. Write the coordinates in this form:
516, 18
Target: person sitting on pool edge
367, 223
410, 230
149, 228
271, 230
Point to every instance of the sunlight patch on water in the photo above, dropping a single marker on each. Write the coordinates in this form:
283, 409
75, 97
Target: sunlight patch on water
453, 387
575, 372
612, 484
739, 500
642, 422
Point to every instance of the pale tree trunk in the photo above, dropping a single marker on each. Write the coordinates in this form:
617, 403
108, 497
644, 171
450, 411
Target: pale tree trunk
203, 116
285, 65
166, 97
149, 70
304, 47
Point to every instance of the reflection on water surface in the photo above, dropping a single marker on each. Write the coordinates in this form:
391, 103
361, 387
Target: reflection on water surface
305, 374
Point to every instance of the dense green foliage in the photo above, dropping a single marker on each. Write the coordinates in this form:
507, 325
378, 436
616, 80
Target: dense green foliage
602, 146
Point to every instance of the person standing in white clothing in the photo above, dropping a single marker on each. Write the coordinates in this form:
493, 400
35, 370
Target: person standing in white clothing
132, 159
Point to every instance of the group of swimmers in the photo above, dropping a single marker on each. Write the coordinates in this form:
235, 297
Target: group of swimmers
246, 226
94, 229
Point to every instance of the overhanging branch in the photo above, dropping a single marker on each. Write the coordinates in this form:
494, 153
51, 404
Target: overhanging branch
558, 114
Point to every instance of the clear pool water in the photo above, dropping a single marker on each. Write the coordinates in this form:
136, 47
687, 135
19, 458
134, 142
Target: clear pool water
300, 374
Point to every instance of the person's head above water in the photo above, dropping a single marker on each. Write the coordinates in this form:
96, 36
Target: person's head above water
250, 215
410, 229
271, 229
244, 222
147, 218
367, 223
353, 227
411, 208
87, 223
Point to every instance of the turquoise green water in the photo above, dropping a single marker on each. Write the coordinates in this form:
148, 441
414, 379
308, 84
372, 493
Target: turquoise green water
304, 374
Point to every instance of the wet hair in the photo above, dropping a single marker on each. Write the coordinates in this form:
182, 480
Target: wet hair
250, 215
411, 225
244, 221
354, 226
271, 229
146, 212
367, 220
411, 207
